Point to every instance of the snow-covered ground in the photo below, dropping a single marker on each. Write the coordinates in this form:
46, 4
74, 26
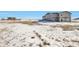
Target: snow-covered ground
23, 35
59, 23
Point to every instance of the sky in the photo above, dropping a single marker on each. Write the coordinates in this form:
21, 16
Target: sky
30, 14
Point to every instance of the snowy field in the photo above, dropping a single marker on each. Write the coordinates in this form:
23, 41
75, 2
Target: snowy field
41, 35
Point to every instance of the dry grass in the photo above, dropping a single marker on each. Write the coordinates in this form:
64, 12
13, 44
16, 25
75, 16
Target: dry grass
64, 27
23, 22
67, 27
29, 22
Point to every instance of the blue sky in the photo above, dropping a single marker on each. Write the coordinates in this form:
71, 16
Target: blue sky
30, 14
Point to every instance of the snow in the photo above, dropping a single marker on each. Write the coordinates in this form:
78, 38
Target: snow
59, 23
24, 35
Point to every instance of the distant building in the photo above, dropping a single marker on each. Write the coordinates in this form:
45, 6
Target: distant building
10, 18
76, 19
57, 17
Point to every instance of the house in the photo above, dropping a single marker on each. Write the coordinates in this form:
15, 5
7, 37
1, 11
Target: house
51, 17
76, 19
64, 16
9, 19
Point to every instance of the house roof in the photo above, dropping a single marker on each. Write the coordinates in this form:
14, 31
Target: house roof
66, 12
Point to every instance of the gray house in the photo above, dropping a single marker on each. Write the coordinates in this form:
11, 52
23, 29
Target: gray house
57, 17
51, 17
